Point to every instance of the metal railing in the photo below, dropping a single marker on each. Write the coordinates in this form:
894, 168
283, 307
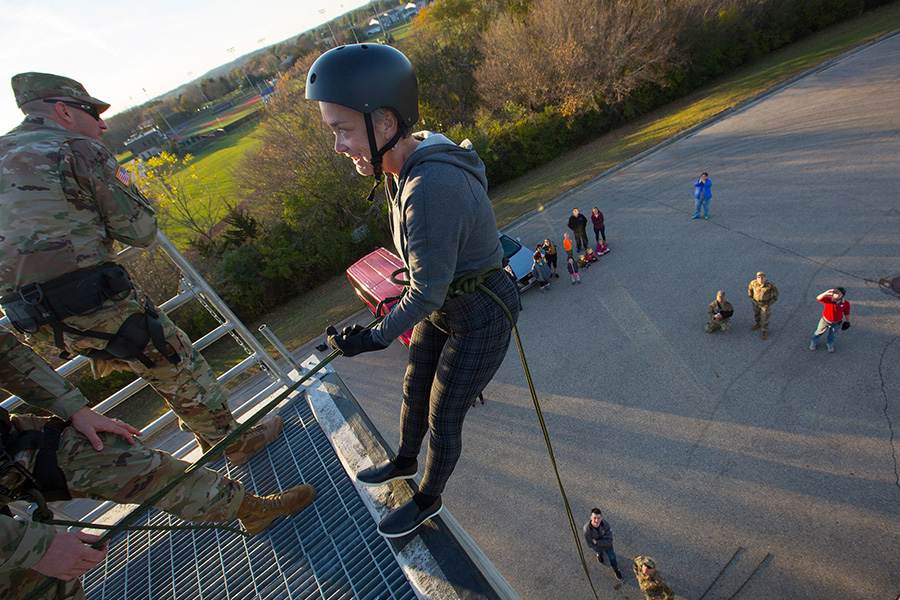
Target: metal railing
193, 287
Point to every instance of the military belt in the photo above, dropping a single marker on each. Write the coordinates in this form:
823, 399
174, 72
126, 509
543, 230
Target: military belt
81, 293
78, 293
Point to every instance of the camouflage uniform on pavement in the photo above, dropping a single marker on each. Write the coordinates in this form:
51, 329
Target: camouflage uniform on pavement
119, 472
715, 307
762, 297
64, 201
654, 585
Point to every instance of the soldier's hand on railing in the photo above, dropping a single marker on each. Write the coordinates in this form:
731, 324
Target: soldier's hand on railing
90, 423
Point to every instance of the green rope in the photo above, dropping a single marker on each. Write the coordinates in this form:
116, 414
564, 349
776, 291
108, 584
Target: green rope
209, 455
537, 409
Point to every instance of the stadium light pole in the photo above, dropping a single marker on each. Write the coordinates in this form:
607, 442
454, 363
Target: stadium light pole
208, 101
161, 116
250, 81
327, 22
380, 24
350, 24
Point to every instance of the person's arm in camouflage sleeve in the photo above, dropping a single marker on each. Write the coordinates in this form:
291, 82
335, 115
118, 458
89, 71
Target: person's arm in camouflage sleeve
127, 214
23, 543
31, 378
37, 546
774, 294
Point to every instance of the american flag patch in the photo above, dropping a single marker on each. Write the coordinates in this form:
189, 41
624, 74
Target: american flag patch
123, 176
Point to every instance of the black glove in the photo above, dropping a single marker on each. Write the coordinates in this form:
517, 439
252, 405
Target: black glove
353, 340
845, 326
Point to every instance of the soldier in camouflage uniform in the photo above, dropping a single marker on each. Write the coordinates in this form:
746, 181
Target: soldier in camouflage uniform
651, 582
64, 201
719, 312
101, 466
762, 296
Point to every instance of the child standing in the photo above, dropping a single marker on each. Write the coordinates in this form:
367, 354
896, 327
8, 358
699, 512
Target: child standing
567, 244
573, 271
540, 271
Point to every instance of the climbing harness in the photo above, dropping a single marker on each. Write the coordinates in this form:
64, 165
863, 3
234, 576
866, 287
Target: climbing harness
84, 292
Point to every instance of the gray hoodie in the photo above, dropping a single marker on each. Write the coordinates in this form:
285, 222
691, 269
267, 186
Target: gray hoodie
442, 224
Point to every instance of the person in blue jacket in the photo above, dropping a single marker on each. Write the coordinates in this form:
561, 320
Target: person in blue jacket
702, 194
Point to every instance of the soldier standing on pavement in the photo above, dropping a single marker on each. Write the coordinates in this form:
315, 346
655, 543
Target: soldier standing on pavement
651, 582
64, 201
762, 296
719, 312
80, 453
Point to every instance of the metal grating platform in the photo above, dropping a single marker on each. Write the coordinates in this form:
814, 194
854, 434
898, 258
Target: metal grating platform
331, 550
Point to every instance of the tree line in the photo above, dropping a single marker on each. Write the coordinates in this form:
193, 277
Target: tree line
524, 80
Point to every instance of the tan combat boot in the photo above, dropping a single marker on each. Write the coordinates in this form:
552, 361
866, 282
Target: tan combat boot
254, 440
257, 512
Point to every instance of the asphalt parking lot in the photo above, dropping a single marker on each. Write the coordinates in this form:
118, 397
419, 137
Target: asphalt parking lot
702, 447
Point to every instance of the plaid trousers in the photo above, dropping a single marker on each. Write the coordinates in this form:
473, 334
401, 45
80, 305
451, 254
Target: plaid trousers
453, 355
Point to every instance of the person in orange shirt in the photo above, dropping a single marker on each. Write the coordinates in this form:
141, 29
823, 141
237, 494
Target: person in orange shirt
567, 244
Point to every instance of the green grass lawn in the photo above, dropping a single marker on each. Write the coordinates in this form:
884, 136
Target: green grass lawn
213, 168
305, 317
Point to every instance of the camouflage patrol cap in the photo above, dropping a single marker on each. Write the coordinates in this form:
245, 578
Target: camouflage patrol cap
640, 561
35, 86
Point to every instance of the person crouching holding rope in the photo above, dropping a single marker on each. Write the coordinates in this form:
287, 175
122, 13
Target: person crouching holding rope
443, 227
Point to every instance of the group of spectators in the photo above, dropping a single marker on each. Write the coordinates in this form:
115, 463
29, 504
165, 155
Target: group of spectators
763, 294
545, 255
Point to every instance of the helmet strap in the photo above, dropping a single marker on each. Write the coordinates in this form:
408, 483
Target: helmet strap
378, 153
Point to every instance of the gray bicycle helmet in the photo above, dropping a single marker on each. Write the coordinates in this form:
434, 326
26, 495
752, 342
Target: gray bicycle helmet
366, 77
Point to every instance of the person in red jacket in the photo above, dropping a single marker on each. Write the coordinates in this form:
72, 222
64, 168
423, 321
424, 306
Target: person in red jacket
836, 315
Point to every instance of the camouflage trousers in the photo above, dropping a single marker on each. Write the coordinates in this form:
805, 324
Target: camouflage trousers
189, 388
761, 314
121, 473
714, 324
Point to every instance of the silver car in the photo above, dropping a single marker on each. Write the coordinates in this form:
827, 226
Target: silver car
519, 259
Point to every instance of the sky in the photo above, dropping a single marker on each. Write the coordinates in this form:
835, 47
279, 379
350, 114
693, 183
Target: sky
116, 49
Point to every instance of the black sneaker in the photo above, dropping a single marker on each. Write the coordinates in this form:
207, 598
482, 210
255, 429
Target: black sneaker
384, 472
407, 518
619, 575
600, 558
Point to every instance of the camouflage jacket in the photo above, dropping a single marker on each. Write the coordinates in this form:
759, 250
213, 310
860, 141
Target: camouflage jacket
63, 201
716, 307
655, 587
763, 293
27, 375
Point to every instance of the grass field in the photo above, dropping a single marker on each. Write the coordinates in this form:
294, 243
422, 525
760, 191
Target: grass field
213, 168
211, 122
305, 317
